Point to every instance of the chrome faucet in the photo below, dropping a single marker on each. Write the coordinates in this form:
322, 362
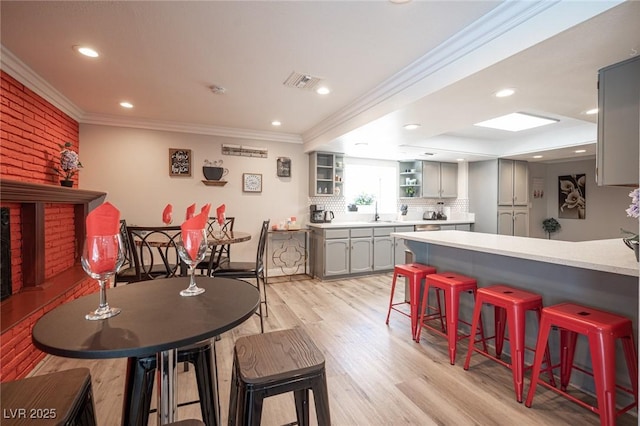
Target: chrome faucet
376, 216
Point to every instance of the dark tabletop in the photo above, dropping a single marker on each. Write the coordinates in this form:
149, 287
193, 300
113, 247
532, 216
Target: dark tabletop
154, 318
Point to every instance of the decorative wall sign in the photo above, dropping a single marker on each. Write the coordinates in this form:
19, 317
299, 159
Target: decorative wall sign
572, 203
251, 182
244, 151
284, 167
179, 162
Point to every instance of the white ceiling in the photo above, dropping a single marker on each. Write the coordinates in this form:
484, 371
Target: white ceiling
436, 63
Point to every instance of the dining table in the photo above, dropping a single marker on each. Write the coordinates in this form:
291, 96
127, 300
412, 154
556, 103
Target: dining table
154, 319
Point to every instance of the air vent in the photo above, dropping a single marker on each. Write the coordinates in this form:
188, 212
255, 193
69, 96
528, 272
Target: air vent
302, 81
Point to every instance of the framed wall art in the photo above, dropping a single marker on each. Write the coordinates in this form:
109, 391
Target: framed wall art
572, 197
179, 162
251, 182
284, 167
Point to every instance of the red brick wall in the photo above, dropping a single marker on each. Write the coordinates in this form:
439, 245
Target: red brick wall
31, 130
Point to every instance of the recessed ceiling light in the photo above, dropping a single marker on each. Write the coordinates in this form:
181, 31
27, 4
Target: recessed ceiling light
459, 159
411, 126
361, 144
86, 51
516, 122
217, 90
323, 90
537, 156
276, 123
126, 104
504, 93
580, 151
592, 111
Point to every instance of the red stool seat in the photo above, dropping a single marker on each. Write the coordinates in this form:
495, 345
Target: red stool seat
453, 285
415, 273
601, 329
510, 307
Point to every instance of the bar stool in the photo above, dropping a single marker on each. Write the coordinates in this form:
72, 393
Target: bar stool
601, 329
273, 363
453, 285
510, 307
415, 273
65, 396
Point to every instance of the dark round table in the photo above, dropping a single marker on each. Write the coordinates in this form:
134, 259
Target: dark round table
155, 319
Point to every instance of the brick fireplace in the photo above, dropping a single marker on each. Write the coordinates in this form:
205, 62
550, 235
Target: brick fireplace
46, 221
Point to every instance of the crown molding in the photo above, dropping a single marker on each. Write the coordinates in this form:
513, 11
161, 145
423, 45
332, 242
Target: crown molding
230, 132
21, 72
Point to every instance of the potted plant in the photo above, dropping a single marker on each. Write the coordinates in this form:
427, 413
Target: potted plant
364, 199
69, 164
550, 225
631, 240
410, 191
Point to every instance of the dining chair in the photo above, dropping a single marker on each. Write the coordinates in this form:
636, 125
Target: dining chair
127, 272
253, 270
155, 254
216, 254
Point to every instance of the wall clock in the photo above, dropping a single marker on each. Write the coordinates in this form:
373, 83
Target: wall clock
251, 182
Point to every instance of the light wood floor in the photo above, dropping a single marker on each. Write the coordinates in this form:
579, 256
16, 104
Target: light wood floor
376, 374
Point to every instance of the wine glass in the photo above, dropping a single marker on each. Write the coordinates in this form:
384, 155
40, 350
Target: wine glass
102, 256
192, 247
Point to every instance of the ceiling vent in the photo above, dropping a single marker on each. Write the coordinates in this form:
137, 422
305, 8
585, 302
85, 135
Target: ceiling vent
302, 81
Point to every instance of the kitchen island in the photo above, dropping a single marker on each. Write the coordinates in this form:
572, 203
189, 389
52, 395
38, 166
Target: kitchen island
602, 274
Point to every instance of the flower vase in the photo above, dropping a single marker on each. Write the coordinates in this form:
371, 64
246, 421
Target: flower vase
67, 183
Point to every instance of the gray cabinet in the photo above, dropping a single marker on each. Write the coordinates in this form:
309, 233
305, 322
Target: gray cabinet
513, 183
361, 256
325, 174
336, 256
618, 123
439, 180
383, 248
513, 221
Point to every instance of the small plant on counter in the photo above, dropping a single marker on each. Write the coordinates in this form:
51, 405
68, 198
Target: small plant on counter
550, 226
633, 211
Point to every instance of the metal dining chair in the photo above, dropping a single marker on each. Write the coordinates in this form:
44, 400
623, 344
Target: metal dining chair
154, 250
155, 256
127, 272
253, 270
216, 254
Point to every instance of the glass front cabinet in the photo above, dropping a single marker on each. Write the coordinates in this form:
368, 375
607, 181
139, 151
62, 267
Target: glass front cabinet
326, 174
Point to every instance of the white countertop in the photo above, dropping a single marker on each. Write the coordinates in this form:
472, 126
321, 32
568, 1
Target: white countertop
599, 255
382, 223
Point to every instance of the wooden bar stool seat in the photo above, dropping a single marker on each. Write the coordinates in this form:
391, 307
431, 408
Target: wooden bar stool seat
61, 398
415, 273
188, 422
602, 330
453, 285
510, 307
274, 363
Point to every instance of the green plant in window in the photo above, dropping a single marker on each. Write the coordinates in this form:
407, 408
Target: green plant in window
364, 199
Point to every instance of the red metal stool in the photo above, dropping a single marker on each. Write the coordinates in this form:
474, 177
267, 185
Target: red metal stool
415, 273
453, 285
510, 306
602, 329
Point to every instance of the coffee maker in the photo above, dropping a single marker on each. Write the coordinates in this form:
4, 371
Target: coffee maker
316, 213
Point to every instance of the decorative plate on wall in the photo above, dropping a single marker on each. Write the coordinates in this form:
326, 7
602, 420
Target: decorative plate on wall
251, 182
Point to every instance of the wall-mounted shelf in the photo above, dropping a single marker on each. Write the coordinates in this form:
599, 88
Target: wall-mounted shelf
215, 182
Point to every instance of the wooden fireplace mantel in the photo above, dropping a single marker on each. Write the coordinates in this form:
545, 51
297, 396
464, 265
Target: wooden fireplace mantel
33, 197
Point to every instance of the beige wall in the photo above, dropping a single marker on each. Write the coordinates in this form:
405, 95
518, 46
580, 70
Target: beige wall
131, 165
606, 205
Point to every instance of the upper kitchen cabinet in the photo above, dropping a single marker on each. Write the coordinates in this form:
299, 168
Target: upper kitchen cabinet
326, 174
410, 178
439, 180
513, 183
618, 123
